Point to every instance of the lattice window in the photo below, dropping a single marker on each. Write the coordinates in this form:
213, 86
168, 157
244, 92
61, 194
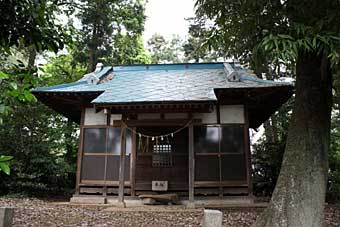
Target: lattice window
161, 156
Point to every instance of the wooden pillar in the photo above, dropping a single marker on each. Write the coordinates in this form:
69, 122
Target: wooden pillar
191, 166
133, 165
122, 167
247, 151
80, 151
108, 121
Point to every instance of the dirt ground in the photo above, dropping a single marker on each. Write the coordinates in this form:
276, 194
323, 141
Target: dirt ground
45, 213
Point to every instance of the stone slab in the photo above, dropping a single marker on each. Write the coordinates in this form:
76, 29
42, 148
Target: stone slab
88, 200
6, 216
162, 198
148, 201
120, 204
128, 202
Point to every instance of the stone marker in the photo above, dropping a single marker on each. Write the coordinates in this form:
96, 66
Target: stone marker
6, 215
212, 218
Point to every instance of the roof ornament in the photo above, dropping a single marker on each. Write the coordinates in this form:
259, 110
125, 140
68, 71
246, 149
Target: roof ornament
232, 75
99, 67
91, 78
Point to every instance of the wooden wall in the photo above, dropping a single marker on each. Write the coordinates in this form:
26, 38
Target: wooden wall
221, 152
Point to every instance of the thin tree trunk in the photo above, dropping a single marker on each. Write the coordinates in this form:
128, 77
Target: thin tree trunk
299, 196
93, 46
274, 129
268, 131
32, 54
70, 152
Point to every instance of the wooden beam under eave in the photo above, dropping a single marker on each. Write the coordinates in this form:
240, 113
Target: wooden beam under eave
157, 122
160, 108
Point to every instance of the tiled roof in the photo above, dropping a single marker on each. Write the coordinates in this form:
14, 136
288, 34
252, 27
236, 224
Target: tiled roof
163, 83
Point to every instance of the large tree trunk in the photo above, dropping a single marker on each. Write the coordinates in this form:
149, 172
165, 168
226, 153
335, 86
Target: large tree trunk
299, 196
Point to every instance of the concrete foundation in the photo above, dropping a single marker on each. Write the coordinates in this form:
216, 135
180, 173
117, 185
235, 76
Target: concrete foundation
199, 202
6, 216
232, 201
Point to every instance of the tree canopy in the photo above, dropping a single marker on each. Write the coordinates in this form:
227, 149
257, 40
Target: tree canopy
107, 28
26, 23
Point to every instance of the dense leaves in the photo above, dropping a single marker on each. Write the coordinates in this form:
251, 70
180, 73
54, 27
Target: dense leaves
108, 28
165, 51
37, 139
267, 154
176, 50
30, 22
42, 142
26, 27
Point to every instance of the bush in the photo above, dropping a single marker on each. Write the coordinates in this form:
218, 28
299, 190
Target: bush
266, 160
44, 147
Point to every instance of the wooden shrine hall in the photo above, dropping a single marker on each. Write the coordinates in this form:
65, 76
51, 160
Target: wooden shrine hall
164, 129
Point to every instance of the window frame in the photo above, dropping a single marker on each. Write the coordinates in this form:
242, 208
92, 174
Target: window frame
128, 152
166, 155
220, 154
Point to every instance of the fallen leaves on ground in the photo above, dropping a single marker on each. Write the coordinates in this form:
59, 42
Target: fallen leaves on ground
31, 212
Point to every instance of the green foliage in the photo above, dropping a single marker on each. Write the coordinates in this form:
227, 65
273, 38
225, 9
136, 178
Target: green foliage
266, 160
165, 51
258, 32
128, 50
308, 38
334, 162
15, 86
30, 22
175, 50
25, 25
107, 28
60, 69
334, 154
4, 164
37, 138
237, 27
267, 155
196, 47
43, 142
